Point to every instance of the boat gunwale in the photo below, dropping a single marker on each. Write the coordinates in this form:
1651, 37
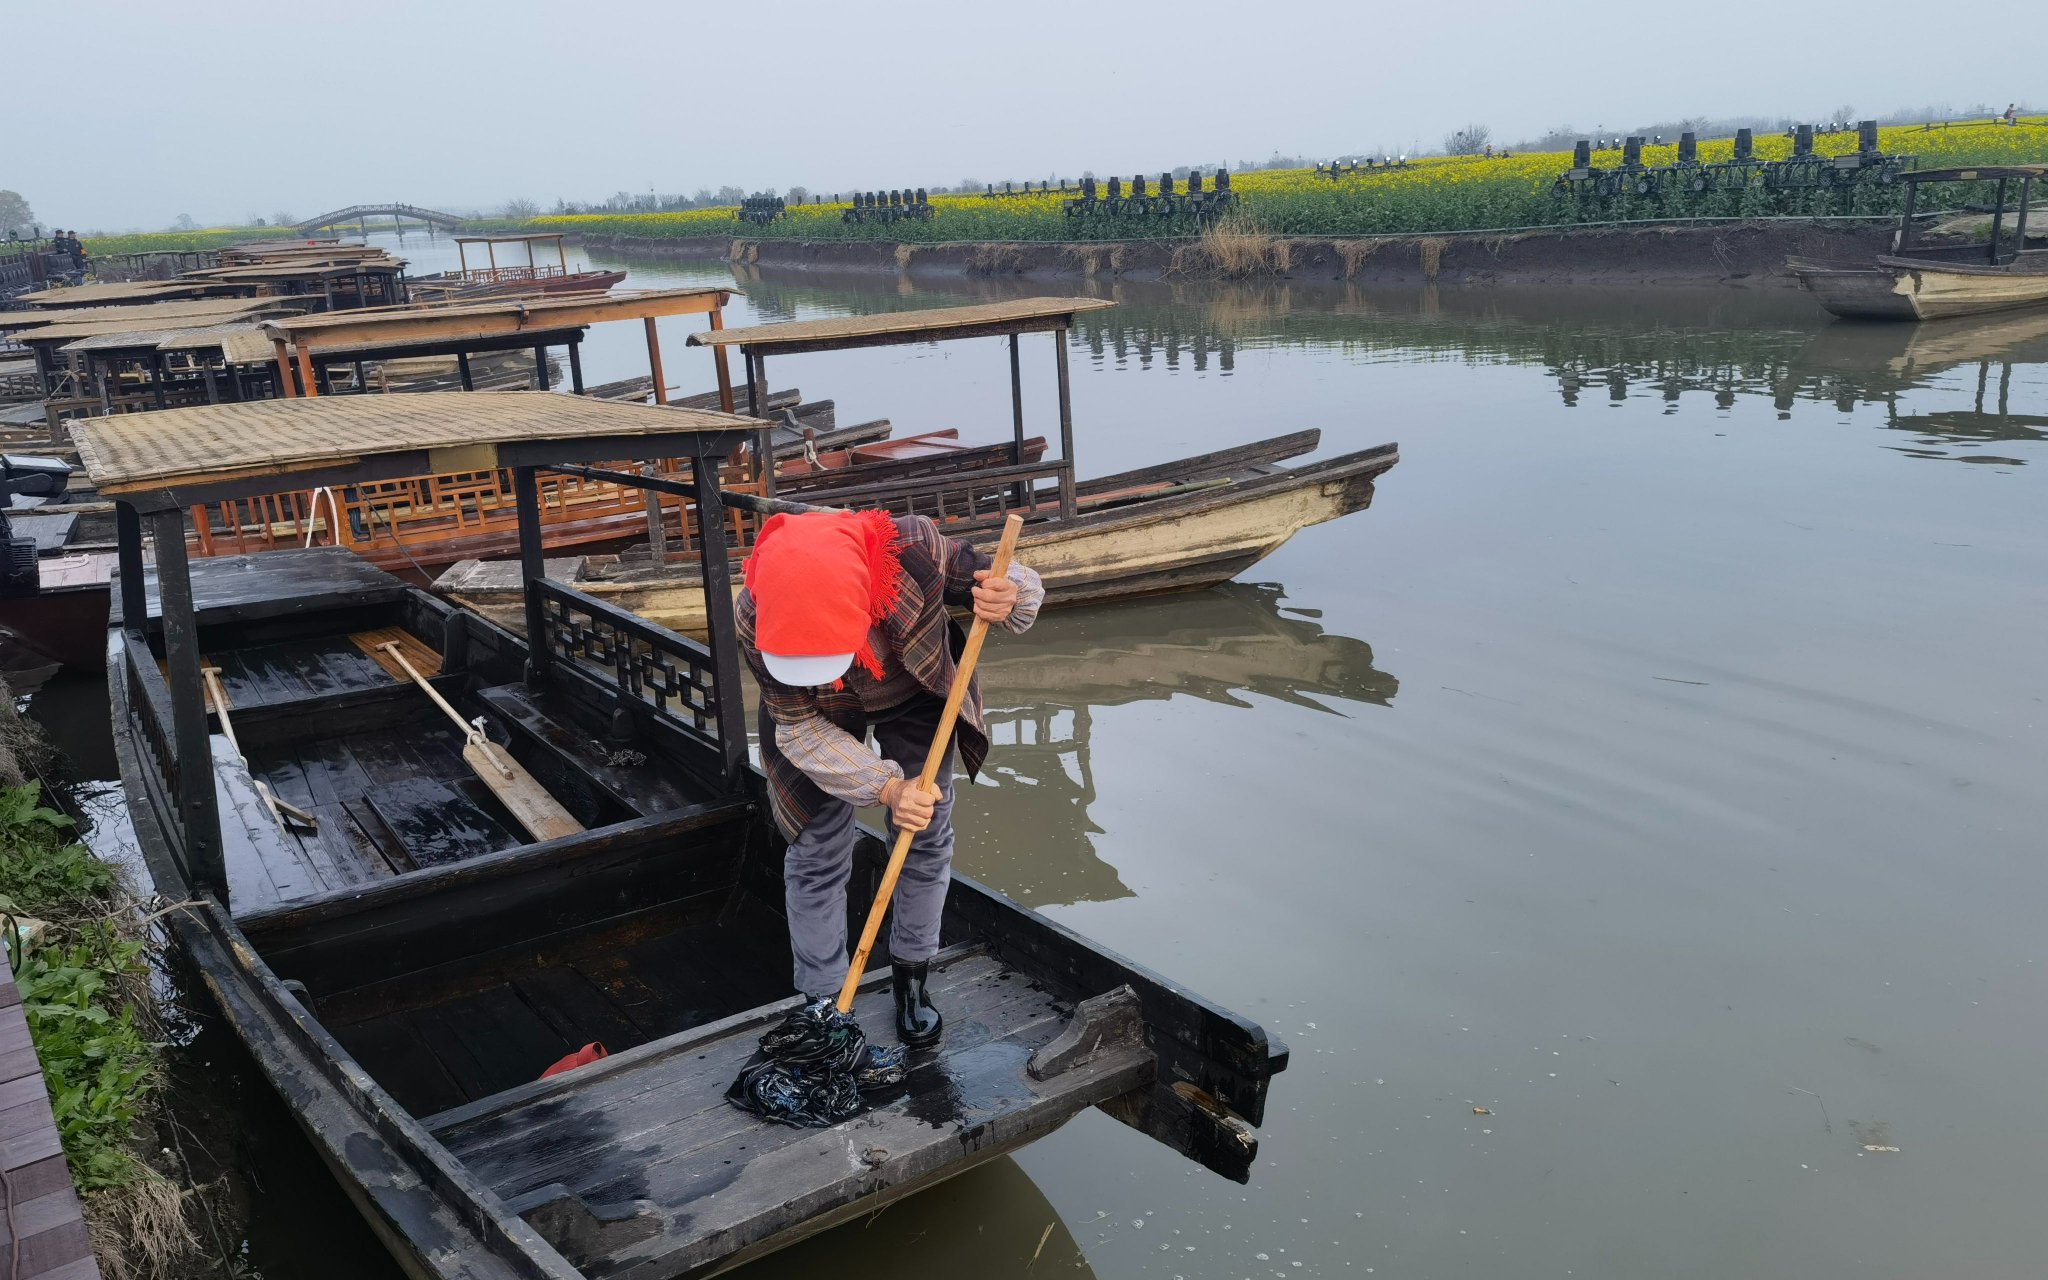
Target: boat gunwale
304, 1061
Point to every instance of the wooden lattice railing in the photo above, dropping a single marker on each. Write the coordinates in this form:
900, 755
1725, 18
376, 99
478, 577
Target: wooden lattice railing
419, 513
640, 660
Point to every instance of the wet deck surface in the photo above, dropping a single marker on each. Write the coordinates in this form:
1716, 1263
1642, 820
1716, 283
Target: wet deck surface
653, 1129
387, 801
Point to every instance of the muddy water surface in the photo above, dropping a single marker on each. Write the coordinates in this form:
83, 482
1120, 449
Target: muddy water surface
1656, 766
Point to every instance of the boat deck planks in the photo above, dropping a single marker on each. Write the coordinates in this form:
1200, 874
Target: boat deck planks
714, 1173
387, 801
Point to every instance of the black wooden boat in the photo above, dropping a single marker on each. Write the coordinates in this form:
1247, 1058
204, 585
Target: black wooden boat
405, 969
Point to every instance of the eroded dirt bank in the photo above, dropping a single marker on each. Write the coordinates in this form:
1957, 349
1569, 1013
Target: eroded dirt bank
1725, 253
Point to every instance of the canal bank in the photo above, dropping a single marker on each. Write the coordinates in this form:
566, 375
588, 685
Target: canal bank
1718, 252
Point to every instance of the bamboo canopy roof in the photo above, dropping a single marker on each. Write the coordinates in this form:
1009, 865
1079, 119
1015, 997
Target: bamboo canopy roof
296, 270
237, 343
513, 238
891, 328
265, 440
267, 250
80, 295
217, 309
137, 324
485, 318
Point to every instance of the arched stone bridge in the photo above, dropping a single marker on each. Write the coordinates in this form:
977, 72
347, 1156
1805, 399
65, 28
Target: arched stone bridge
359, 212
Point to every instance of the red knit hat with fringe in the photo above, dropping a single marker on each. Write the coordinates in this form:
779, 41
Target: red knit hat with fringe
820, 581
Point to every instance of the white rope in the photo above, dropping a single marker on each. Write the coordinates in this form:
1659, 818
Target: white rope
333, 516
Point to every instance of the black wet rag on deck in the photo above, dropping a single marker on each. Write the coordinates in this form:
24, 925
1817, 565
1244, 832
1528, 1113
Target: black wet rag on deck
812, 1069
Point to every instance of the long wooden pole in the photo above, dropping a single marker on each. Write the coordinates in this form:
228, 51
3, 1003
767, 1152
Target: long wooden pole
941, 740
520, 792
285, 813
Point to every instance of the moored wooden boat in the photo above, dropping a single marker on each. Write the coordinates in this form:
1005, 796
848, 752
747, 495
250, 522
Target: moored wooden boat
56, 559
405, 966
1189, 523
1928, 281
1175, 527
533, 277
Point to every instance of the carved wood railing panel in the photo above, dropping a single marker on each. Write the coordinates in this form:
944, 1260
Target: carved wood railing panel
640, 660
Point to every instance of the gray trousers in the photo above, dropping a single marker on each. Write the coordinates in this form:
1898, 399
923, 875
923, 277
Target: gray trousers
820, 861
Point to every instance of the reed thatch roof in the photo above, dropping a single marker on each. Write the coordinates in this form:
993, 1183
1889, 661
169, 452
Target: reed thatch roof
92, 327
263, 439
486, 317
174, 309
237, 343
931, 324
80, 295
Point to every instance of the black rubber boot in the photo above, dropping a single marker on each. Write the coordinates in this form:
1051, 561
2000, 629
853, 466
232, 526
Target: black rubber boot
917, 1022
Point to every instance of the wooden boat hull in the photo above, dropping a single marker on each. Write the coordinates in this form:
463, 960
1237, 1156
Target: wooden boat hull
1903, 289
63, 625
1174, 544
465, 1164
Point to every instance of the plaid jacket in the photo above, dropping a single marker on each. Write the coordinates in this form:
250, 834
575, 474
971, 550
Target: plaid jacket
937, 572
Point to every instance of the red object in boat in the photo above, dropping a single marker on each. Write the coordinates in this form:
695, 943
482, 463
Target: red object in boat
583, 1057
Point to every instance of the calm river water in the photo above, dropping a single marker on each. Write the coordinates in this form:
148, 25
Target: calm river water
1657, 765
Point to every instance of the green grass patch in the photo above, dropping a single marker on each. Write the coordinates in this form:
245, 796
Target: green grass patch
84, 988
187, 241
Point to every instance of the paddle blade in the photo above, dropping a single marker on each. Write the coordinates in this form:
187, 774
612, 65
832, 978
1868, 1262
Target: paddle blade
520, 792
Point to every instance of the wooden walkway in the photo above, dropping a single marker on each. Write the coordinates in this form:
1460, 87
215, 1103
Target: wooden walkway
42, 1228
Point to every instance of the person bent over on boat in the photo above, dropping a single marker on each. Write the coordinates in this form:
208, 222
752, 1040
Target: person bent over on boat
844, 622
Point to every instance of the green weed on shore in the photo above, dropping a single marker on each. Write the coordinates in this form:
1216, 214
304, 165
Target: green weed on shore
83, 987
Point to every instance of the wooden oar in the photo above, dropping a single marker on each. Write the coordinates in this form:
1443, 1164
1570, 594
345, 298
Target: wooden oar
287, 814
520, 791
962, 674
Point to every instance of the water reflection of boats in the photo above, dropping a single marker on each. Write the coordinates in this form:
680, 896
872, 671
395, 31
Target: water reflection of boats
1890, 361
1221, 646
1605, 345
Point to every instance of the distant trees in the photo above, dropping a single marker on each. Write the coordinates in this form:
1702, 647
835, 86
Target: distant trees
184, 223
520, 210
14, 212
1468, 141
798, 195
282, 218
730, 194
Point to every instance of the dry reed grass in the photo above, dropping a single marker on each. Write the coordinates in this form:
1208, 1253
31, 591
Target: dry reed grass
903, 252
1354, 253
1431, 249
143, 1231
1233, 247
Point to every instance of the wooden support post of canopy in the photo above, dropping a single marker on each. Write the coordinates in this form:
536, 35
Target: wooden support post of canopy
533, 568
1059, 346
1016, 404
307, 383
284, 368
654, 362
715, 562
718, 362
198, 808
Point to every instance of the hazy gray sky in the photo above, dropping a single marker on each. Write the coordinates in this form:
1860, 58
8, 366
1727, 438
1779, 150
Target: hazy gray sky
143, 111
